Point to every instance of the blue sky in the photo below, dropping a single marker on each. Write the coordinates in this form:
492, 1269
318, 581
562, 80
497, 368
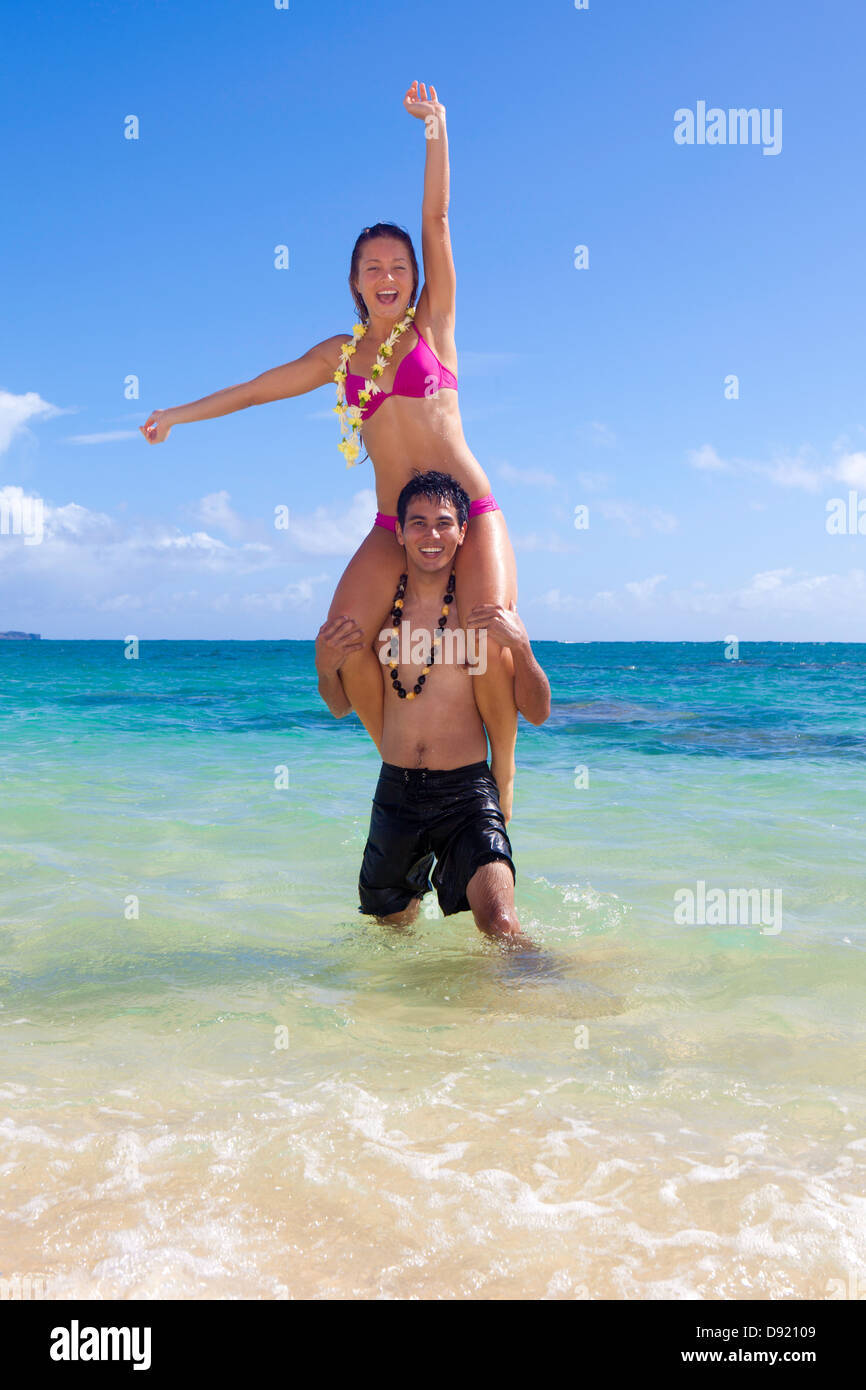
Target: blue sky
602, 386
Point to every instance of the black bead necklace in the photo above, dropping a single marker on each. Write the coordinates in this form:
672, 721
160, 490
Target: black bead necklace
396, 614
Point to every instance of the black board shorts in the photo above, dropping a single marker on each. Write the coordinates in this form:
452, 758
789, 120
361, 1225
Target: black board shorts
419, 813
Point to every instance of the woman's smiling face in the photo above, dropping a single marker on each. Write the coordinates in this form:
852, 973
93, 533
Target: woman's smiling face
385, 277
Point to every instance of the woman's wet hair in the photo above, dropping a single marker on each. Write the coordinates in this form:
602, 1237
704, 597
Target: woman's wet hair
380, 229
435, 487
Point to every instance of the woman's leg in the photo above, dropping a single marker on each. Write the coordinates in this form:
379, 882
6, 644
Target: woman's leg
365, 593
487, 573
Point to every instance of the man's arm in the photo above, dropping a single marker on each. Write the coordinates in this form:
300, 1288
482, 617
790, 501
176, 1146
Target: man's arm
334, 642
531, 686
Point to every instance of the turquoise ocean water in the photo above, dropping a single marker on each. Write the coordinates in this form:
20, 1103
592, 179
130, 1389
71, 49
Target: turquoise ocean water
220, 1080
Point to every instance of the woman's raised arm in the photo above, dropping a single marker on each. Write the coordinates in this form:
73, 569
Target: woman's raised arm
315, 368
440, 280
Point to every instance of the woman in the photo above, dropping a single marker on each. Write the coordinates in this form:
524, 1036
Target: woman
419, 428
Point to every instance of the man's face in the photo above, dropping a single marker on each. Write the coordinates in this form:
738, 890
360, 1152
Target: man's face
431, 534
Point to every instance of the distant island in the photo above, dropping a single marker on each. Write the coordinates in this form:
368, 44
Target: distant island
21, 636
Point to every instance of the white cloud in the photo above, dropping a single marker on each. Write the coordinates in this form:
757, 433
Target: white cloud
604, 600
706, 459
597, 434
593, 482
73, 536
634, 517
644, 589
784, 591
108, 437
532, 477
199, 540
78, 544
602, 435
800, 470
69, 522
792, 472
559, 602
549, 542
770, 599
215, 511
15, 411
75, 523
328, 532
662, 521
290, 597
120, 603
85, 568
851, 469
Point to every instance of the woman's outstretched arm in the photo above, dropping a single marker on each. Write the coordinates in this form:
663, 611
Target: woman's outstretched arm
440, 280
315, 368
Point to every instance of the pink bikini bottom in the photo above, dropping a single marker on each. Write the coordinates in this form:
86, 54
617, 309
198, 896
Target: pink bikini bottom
481, 504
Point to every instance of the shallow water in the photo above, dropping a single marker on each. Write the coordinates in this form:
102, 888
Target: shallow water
223, 1081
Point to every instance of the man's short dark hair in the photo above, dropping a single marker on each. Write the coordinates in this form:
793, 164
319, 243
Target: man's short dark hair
436, 487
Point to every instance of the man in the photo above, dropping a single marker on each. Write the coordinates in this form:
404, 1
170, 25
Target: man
436, 794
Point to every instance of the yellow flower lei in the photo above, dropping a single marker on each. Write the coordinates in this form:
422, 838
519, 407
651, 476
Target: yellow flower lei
351, 414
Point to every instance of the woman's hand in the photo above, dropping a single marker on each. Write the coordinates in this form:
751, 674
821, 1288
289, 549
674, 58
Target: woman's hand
335, 641
503, 624
157, 426
419, 104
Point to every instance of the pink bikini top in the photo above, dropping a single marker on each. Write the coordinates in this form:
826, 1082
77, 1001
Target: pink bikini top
420, 373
